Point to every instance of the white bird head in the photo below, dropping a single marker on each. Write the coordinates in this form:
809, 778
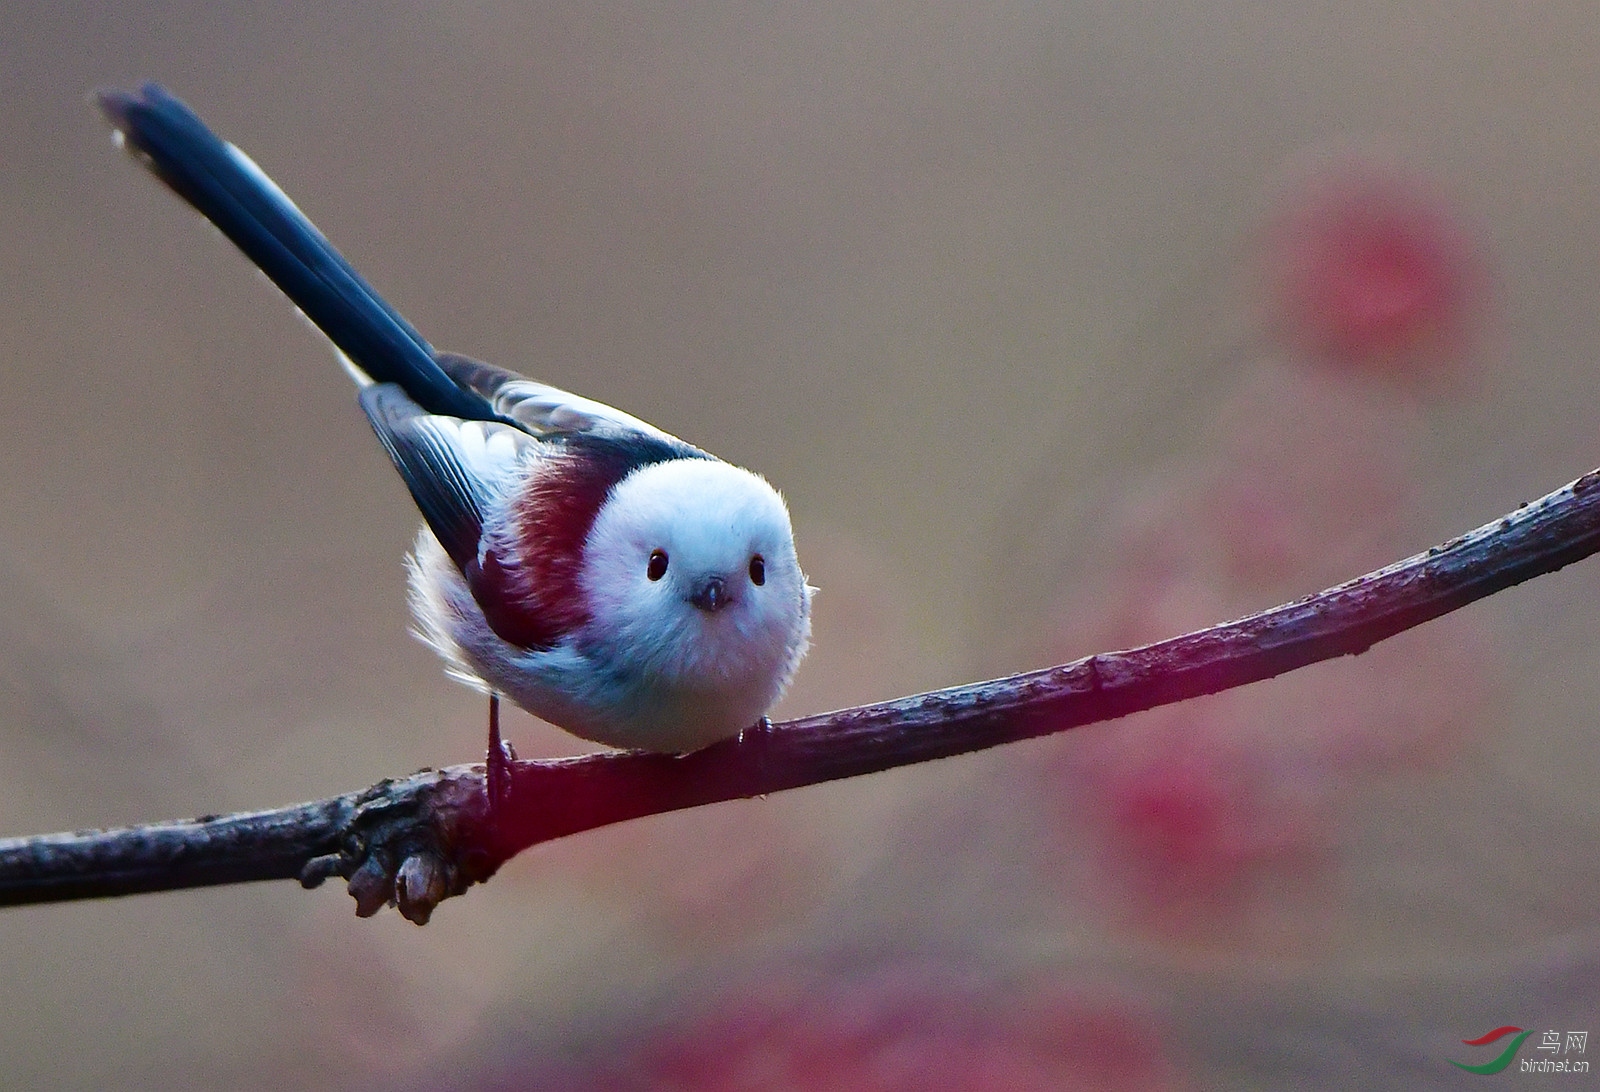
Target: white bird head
690, 572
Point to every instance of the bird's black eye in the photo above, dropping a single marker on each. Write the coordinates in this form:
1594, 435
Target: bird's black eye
758, 571
658, 565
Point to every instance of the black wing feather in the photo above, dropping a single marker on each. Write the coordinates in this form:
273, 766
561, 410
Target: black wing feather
444, 490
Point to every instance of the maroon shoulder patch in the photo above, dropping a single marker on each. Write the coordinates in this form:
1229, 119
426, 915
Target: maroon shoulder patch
528, 587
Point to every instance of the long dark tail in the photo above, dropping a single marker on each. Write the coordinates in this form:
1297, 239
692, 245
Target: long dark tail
235, 195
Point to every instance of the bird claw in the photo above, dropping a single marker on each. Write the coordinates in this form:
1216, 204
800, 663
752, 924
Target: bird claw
757, 738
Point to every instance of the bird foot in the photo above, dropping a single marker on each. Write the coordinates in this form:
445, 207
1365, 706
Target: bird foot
497, 763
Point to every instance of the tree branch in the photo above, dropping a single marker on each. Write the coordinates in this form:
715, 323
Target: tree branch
415, 841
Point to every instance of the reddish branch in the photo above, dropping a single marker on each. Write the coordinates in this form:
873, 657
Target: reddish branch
416, 841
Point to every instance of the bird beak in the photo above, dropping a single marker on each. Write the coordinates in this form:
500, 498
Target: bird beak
712, 596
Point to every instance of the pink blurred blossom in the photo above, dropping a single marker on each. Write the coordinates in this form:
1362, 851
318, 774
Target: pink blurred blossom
911, 1032
1197, 834
1369, 267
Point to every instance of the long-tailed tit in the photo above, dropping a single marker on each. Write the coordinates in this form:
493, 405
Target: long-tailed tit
602, 574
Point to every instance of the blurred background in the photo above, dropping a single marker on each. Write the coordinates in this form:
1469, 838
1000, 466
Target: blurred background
1062, 328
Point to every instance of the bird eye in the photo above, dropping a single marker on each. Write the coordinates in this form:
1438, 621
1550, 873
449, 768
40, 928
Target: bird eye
658, 565
758, 571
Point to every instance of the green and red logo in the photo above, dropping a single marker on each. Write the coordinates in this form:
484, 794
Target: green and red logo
1507, 1056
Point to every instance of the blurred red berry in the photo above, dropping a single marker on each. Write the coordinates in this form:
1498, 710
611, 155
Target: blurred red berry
1199, 827
911, 1032
1368, 268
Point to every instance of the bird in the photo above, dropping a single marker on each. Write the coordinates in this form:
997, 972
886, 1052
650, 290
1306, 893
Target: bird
602, 574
